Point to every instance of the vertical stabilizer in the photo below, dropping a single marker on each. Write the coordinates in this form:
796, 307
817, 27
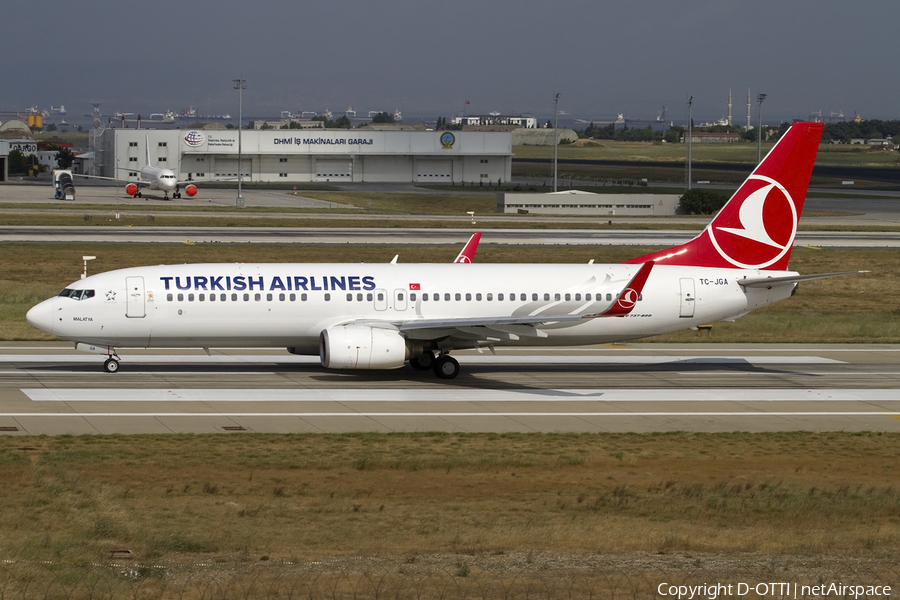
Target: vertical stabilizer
756, 227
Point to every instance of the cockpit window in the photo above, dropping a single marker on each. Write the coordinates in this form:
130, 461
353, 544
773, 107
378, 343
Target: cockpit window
77, 294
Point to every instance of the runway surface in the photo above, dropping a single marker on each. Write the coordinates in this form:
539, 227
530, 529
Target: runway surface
51, 389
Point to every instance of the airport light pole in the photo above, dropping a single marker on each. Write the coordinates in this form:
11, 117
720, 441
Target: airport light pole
689, 140
240, 85
759, 100
555, 137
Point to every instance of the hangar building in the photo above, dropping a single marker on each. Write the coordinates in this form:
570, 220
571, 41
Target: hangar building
289, 155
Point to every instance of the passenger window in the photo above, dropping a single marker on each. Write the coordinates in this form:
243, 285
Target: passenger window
212, 297
234, 297
523, 297
577, 297
587, 297
499, 297
468, 297
181, 297
246, 297
257, 297
424, 297
490, 297
547, 297
556, 297
349, 297
380, 296
568, 297
281, 297
437, 297
303, 297
268, 297
412, 297
293, 297
458, 296
478, 296
327, 297
534, 297
447, 297
223, 297
369, 297
169, 297
201, 297
608, 297
190, 297
359, 297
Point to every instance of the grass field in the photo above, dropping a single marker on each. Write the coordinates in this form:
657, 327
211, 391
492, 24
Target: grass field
858, 309
306, 496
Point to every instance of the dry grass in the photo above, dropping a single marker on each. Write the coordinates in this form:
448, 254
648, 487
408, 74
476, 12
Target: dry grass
299, 497
852, 309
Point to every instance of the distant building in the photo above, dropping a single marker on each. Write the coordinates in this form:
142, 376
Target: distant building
710, 137
286, 155
575, 202
526, 121
4, 160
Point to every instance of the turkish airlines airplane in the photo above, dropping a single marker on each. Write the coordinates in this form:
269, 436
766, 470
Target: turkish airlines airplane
381, 316
153, 178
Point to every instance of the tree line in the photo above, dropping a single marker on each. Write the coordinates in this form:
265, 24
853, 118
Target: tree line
843, 132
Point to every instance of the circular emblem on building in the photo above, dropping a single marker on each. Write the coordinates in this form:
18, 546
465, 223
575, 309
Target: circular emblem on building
447, 140
194, 138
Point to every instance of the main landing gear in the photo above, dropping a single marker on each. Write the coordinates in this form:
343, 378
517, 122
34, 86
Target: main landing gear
444, 366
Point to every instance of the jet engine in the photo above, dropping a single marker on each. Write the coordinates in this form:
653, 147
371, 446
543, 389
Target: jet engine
191, 190
131, 189
361, 347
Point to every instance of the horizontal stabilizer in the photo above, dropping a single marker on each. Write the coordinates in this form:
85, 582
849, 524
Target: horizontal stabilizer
770, 281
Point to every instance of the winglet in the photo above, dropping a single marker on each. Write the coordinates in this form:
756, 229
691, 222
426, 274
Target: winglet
467, 254
626, 301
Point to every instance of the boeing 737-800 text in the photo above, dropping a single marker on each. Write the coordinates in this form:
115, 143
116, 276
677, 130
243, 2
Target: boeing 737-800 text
381, 316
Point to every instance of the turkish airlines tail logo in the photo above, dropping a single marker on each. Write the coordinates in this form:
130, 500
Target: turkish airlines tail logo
756, 228
763, 229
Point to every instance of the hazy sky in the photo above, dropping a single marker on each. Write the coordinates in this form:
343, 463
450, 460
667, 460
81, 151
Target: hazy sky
427, 58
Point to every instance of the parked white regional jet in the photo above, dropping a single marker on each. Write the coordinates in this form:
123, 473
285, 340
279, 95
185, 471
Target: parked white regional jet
379, 316
154, 178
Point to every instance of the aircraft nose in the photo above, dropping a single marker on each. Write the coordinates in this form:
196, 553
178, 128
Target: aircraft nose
41, 316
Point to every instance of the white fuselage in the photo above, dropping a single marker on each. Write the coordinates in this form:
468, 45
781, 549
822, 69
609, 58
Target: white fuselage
159, 179
289, 305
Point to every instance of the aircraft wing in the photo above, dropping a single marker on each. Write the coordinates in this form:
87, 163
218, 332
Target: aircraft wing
138, 183
498, 328
770, 281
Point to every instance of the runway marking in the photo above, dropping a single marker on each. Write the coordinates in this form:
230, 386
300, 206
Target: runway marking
514, 360
456, 394
464, 414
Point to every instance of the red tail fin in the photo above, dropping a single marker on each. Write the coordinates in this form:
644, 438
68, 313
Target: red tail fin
467, 254
756, 228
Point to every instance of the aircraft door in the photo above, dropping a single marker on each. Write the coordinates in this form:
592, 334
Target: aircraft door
688, 299
134, 298
380, 300
399, 299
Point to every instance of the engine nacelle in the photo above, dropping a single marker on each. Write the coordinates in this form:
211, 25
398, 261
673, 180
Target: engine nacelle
361, 347
191, 190
131, 189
